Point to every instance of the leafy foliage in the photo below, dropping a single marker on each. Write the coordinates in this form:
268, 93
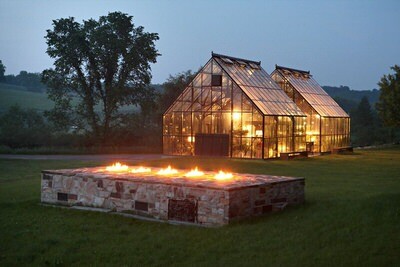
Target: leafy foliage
31, 81
346, 104
363, 123
2, 71
388, 106
103, 62
23, 128
352, 96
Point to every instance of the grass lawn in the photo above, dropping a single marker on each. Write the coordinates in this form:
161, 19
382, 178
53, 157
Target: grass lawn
351, 218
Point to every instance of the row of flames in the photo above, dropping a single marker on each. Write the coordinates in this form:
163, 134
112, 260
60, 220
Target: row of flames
120, 168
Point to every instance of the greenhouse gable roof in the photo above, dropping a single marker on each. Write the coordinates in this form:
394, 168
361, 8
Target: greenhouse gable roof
312, 92
256, 83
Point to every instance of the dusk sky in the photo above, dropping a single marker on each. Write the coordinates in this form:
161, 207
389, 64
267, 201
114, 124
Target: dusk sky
341, 42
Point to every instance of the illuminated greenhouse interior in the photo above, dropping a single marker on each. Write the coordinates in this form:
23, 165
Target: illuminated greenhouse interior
328, 125
233, 108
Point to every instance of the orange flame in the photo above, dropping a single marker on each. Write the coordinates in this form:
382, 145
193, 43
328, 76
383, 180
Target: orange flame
194, 173
167, 171
117, 167
140, 170
223, 176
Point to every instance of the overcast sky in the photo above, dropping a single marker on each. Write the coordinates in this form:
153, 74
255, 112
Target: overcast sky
341, 42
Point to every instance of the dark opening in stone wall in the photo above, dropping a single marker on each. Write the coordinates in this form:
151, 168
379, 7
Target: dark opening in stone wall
182, 210
143, 206
62, 196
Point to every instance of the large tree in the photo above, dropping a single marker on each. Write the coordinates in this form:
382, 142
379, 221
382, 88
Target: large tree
388, 105
2, 71
102, 64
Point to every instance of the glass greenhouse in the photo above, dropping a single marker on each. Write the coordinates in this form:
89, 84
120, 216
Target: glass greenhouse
327, 125
234, 108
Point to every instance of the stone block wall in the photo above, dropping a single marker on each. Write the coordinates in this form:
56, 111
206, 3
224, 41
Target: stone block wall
174, 201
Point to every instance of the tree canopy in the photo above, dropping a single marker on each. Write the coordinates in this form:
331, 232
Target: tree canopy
103, 63
31, 81
363, 124
2, 71
388, 105
23, 128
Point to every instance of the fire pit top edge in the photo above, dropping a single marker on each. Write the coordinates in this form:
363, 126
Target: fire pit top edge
240, 180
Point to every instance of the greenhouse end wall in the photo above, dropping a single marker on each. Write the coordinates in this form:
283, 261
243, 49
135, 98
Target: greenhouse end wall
327, 128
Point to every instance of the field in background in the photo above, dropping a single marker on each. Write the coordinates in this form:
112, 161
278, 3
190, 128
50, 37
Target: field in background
18, 95
12, 95
351, 218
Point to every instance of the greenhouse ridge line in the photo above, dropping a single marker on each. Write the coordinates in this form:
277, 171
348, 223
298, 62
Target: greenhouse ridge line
235, 58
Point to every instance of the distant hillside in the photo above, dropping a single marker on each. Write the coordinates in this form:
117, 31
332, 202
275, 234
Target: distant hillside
12, 87
11, 95
19, 95
29, 80
159, 88
344, 92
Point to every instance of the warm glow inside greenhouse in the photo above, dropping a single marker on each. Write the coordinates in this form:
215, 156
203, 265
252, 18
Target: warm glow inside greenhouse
328, 125
234, 108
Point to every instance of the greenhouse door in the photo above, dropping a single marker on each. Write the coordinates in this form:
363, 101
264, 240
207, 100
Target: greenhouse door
211, 145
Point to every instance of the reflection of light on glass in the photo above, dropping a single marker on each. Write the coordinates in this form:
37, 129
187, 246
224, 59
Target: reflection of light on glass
259, 133
190, 139
223, 176
141, 170
167, 171
194, 173
311, 133
248, 129
271, 152
236, 116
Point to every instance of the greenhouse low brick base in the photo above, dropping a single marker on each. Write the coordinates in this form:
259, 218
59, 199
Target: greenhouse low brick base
197, 201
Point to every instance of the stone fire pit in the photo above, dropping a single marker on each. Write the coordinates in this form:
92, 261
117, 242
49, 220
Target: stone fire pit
197, 200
